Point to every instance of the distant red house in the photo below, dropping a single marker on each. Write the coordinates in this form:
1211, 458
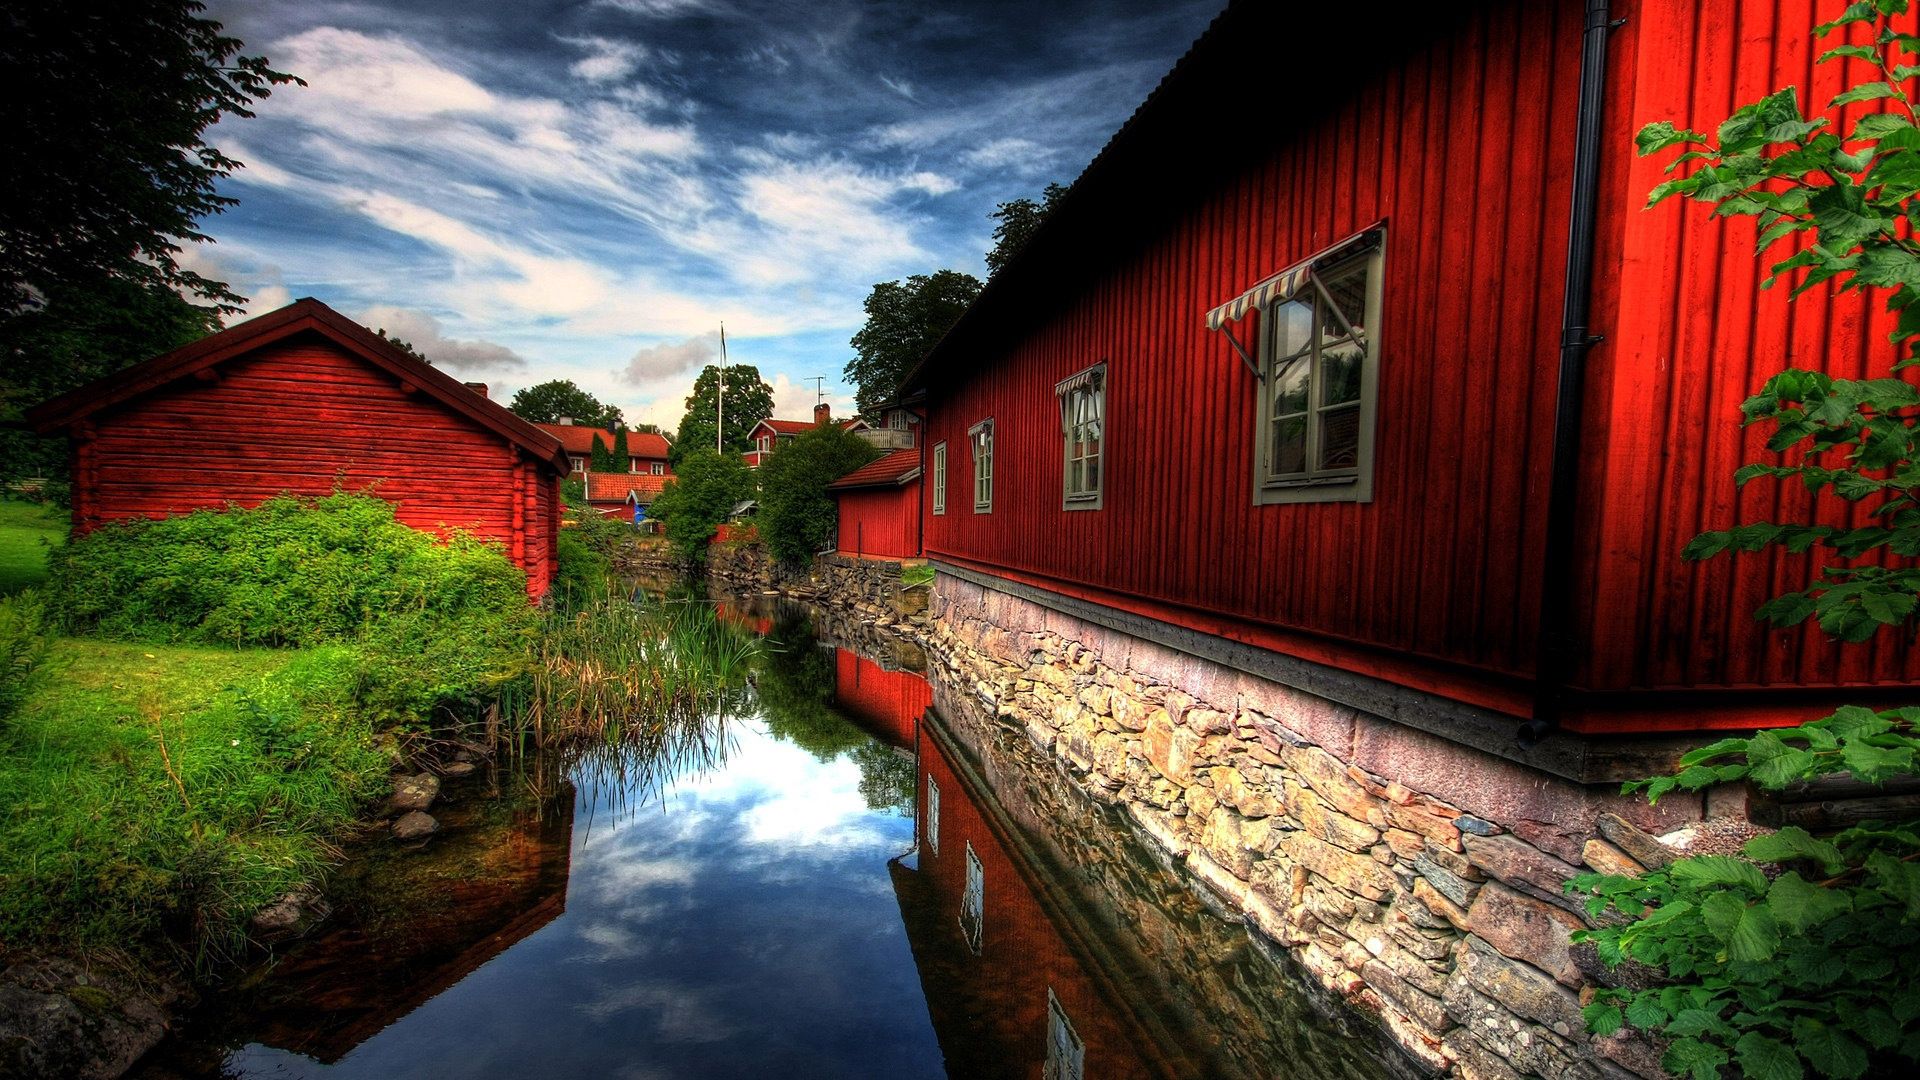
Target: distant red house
624, 495
879, 508
646, 452
303, 401
1301, 409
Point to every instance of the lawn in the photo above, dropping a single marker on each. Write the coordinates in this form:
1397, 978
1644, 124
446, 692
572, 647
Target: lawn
155, 794
26, 530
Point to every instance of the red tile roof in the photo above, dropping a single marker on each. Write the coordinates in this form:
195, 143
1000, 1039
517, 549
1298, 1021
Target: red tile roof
645, 444
578, 439
896, 468
789, 427
615, 486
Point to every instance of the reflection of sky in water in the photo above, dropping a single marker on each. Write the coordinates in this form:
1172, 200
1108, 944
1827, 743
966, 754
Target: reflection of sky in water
739, 924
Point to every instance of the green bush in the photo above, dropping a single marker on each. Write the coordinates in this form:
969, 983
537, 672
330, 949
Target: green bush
797, 516
431, 621
23, 645
702, 494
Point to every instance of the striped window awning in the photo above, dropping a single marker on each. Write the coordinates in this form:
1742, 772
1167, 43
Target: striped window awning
1288, 283
1092, 376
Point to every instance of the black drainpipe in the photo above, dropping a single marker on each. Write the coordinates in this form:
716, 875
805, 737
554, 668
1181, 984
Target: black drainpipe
1555, 664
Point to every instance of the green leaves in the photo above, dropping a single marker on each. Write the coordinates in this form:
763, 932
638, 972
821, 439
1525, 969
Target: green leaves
1720, 870
1763, 1058
1793, 842
1799, 904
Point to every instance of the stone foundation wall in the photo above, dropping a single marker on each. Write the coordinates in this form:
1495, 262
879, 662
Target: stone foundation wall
868, 589
1417, 879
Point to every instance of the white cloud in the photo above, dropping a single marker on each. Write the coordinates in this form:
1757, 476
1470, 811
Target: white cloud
899, 86
422, 331
1020, 155
607, 59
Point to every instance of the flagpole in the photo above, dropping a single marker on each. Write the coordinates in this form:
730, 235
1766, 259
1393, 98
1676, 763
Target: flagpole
720, 399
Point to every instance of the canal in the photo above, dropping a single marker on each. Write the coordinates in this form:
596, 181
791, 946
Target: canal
817, 880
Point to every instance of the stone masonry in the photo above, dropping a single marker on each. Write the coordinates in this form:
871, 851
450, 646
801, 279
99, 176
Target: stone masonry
1418, 879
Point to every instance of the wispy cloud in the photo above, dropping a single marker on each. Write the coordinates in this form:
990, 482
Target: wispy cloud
423, 332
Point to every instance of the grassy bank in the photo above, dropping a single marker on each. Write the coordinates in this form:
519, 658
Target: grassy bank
156, 796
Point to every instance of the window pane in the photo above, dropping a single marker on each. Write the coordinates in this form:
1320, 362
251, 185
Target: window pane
1289, 445
1290, 386
1340, 438
1340, 373
1093, 475
1292, 326
1348, 286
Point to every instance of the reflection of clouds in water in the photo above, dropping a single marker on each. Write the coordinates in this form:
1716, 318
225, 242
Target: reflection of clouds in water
675, 1011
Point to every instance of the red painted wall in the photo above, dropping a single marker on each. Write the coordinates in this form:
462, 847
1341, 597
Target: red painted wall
303, 417
880, 523
886, 703
1465, 152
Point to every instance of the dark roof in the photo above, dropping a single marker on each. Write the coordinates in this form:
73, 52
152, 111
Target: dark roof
304, 316
895, 469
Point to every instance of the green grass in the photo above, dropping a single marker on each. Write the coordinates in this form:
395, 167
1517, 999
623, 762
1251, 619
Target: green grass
153, 797
26, 532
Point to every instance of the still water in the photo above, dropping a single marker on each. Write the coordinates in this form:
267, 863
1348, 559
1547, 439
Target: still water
817, 883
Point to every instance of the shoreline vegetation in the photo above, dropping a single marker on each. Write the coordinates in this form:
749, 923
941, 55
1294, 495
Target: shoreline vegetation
197, 714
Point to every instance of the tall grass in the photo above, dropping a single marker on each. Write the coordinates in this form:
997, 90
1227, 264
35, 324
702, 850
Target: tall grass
627, 669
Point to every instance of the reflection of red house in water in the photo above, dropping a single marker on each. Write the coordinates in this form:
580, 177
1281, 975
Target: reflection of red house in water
1009, 994
886, 703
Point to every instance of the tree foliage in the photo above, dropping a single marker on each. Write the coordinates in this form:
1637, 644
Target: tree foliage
403, 346
905, 320
749, 401
106, 172
1016, 222
548, 402
620, 456
600, 458
78, 335
797, 516
1815, 966
704, 490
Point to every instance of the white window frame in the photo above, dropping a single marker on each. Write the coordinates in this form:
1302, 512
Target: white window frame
973, 903
1092, 384
940, 478
1066, 1051
932, 828
1311, 484
978, 435
659, 468
579, 464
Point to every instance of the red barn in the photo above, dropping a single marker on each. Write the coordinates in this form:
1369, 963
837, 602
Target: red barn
1130, 423
303, 401
879, 508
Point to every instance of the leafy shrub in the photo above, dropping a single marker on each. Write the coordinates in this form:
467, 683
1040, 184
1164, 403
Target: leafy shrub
705, 489
431, 621
23, 645
797, 516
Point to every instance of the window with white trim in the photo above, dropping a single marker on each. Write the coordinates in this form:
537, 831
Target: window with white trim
940, 478
579, 464
973, 903
932, 829
981, 435
1319, 372
659, 468
1083, 406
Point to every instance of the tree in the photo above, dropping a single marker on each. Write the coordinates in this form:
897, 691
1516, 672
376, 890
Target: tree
702, 494
905, 319
548, 402
78, 335
105, 172
650, 429
403, 346
797, 516
600, 459
1816, 965
1017, 221
749, 401
621, 457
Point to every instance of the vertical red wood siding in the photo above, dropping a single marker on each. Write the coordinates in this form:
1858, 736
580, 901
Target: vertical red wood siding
1471, 179
887, 703
304, 417
880, 523
1464, 151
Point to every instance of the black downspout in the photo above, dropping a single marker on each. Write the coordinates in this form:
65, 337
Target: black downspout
1555, 664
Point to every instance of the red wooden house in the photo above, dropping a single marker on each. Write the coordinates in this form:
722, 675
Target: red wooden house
304, 401
623, 495
646, 452
879, 508
1277, 382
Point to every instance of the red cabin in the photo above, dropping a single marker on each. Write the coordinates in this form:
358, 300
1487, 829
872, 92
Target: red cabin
623, 495
1279, 372
646, 452
304, 401
880, 508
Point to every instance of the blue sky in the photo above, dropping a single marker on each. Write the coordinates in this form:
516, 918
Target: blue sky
585, 190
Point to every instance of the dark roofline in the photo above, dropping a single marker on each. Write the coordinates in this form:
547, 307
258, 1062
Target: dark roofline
305, 315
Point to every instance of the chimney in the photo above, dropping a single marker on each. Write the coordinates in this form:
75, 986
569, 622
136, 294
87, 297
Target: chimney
822, 414
566, 421
478, 388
